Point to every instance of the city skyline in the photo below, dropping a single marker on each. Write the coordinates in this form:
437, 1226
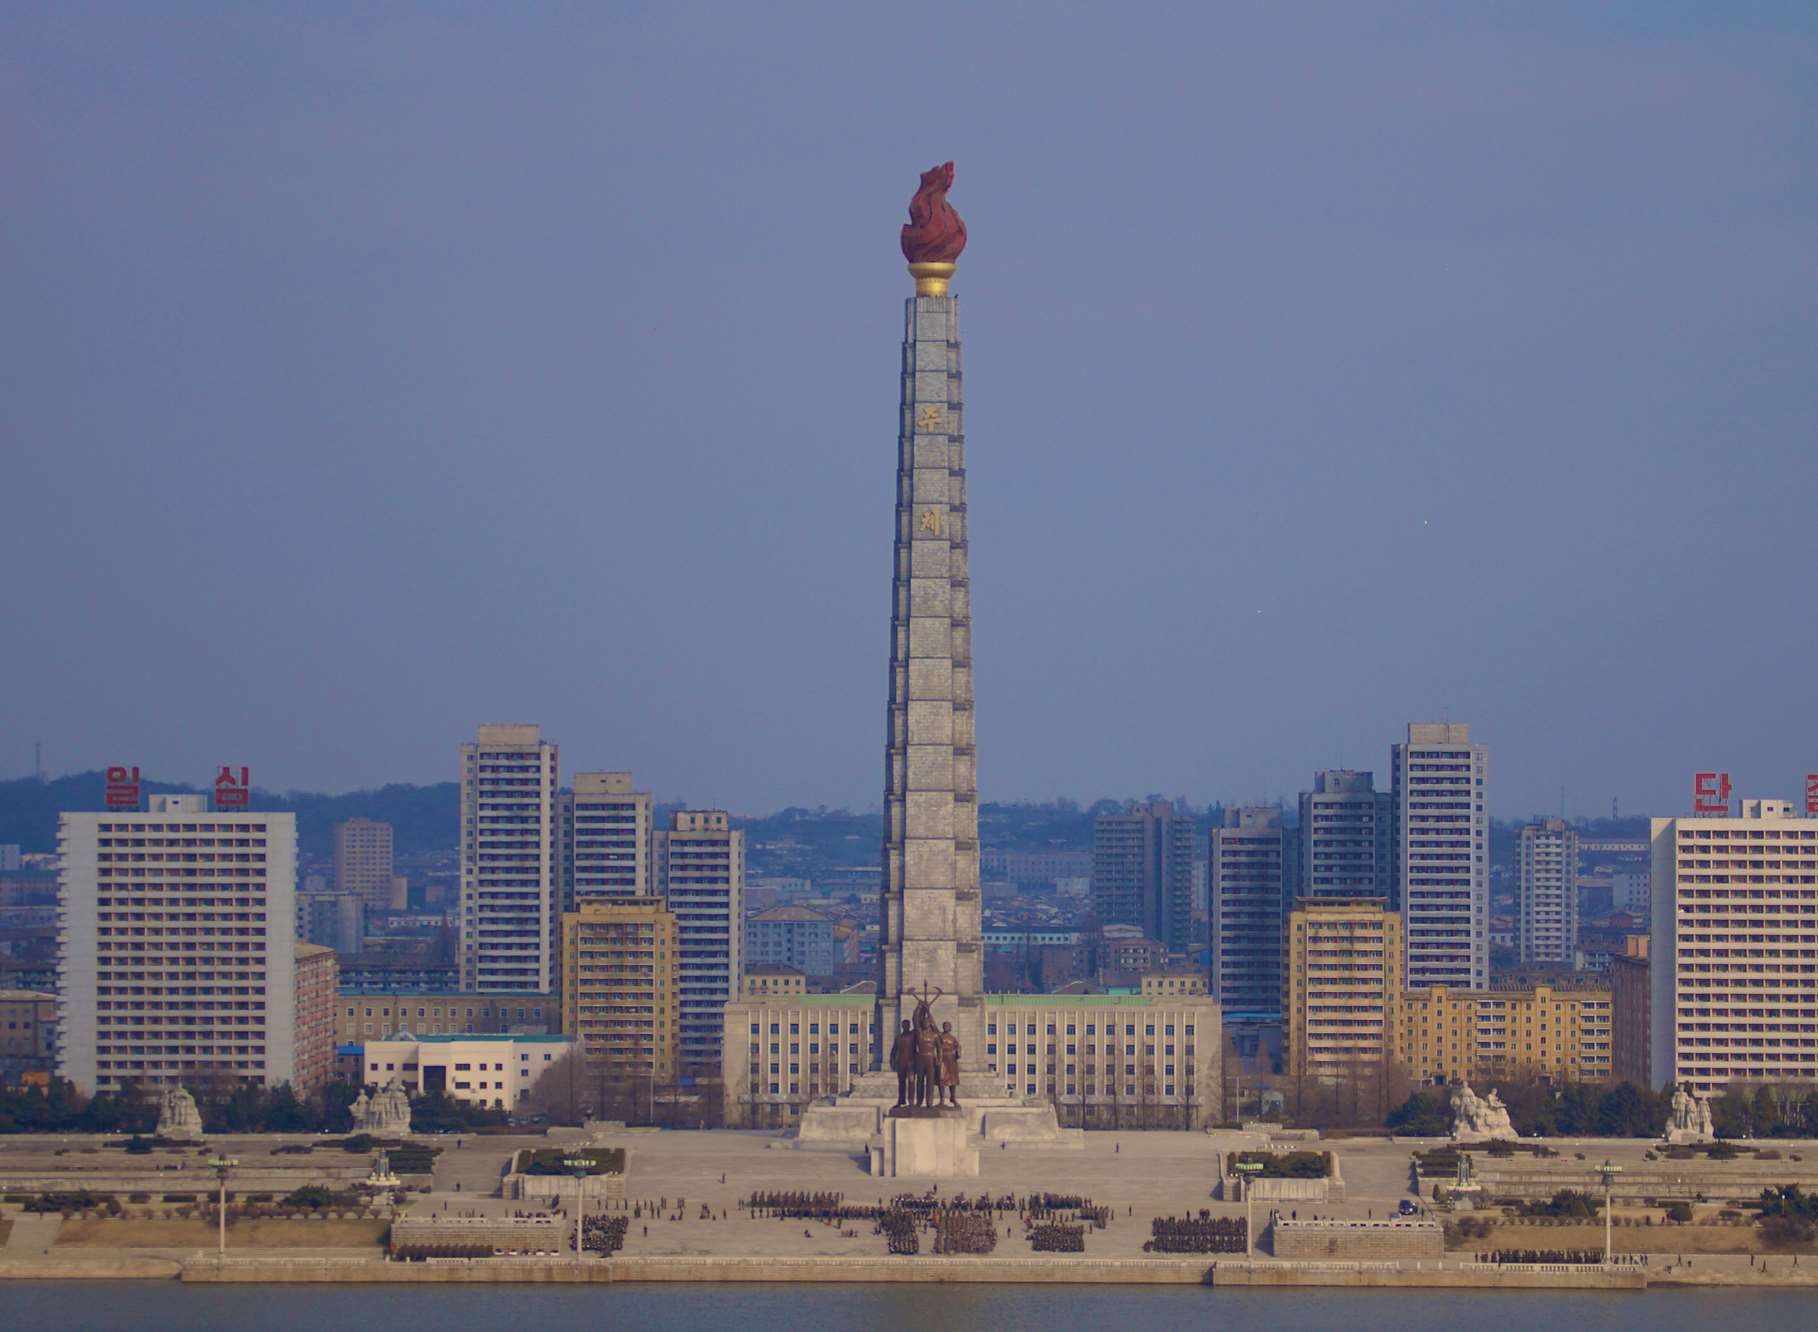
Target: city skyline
1403, 383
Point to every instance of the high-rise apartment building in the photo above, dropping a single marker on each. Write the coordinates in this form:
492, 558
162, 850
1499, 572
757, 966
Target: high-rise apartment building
1252, 866
700, 863
1345, 829
1142, 873
1733, 948
363, 862
1629, 1005
315, 1007
1442, 855
1342, 1006
175, 935
510, 862
621, 989
1548, 903
606, 836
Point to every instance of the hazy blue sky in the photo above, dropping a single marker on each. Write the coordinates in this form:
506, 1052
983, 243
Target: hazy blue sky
373, 371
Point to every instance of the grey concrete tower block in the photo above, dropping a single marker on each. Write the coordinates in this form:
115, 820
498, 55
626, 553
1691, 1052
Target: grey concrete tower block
931, 936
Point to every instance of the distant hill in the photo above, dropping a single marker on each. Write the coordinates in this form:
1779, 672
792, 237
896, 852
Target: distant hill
424, 819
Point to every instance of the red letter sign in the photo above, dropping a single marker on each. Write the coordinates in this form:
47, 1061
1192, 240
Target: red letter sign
231, 794
1711, 793
1811, 793
123, 788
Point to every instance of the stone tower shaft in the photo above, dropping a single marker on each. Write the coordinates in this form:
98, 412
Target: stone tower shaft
931, 924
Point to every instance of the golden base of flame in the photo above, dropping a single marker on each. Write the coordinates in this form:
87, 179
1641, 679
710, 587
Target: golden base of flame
931, 279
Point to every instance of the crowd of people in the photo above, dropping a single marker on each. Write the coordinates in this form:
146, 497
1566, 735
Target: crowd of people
901, 1232
1054, 1237
798, 1206
965, 1232
604, 1234
1204, 1233
1579, 1256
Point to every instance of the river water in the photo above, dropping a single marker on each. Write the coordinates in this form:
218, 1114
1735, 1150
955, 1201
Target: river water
105, 1305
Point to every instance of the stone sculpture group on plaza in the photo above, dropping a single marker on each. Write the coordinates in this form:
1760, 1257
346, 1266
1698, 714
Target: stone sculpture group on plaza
1691, 1118
178, 1118
387, 1112
1479, 1118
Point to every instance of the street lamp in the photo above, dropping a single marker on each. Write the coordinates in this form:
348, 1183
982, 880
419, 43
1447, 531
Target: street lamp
1249, 1169
222, 1165
1609, 1172
579, 1165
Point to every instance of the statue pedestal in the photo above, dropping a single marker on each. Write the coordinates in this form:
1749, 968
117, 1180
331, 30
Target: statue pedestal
928, 1146
859, 1120
1675, 1137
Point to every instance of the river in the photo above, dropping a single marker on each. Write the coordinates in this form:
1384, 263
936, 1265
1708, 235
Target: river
104, 1305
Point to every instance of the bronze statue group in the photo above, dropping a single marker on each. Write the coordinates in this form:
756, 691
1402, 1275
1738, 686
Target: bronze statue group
926, 1062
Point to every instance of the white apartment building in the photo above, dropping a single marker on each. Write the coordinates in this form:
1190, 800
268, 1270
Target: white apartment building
175, 934
1442, 855
1547, 861
701, 868
1733, 953
510, 873
606, 837
496, 1072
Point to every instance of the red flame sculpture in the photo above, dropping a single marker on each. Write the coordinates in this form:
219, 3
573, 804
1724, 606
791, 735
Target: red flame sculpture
935, 234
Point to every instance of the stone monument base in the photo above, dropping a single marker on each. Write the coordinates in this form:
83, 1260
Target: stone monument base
1675, 1137
930, 1147
1479, 1135
860, 1120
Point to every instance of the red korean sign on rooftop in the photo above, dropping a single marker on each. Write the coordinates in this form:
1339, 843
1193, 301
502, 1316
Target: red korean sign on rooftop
232, 792
123, 788
1811, 794
1711, 793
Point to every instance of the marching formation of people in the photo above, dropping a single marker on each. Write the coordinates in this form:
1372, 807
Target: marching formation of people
796, 1206
1204, 1233
1581, 1256
604, 1234
1056, 1238
901, 1233
964, 1232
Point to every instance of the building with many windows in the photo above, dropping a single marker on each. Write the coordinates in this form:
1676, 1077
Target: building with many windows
1345, 829
362, 1015
315, 1059
1142, 872
363, 862
1547, 861
1442, 855
1630, 1030
1557, 1034
606, 834
1342, 1005
621, 988
510, 862
1252, 866
1733, 948
496, 1072
28, 1030
701, 870
791, 936
1106, 1061
175, 935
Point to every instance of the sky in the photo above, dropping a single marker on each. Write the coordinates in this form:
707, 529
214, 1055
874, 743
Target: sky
373, 371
